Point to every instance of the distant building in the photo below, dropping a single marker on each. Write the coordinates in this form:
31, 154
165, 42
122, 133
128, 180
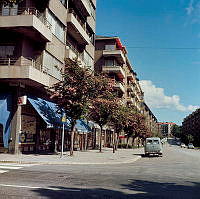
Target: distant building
165, 127
111, 57
191, 125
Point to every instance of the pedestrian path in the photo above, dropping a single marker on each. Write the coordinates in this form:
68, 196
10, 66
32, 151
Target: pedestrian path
89, 157
6, 167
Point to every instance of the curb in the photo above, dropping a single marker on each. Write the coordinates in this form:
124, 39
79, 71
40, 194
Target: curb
73, 163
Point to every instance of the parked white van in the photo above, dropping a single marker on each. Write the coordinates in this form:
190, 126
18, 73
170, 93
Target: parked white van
153, 145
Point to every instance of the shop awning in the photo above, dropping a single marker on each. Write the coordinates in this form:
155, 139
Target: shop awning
49, 112
82, 126
5, 116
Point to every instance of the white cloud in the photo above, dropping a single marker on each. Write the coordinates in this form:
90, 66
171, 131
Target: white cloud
155, 97
190, 8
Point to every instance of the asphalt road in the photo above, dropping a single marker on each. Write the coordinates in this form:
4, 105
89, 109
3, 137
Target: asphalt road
176, 175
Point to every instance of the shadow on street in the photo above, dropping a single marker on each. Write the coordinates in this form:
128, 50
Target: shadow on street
137, 189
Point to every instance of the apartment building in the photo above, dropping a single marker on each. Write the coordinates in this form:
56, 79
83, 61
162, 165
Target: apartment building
191, 125
151, 120
111, 58
165, 128
36, 38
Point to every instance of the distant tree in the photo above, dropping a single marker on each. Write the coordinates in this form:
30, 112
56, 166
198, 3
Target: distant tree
157, 134
176, 131
118, 121
135, 126
190, 138
101, 111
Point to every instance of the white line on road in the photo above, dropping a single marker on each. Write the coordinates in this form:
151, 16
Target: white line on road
7, 167
48, 188
17, 165
3, 171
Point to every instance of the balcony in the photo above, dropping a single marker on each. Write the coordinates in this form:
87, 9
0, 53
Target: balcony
73, 54
130, 100
118, 54
130, 88
26, 21
24, 69
114, 69
131, 77
119, 86
84, 6
77, 28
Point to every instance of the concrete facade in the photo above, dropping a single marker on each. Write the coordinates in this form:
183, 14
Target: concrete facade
191, 125
111, 57
36, 38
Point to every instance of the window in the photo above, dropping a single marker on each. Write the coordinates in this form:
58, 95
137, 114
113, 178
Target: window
110, 47
149, 141
109, 62
6, 51
62, 1
156, 142
88, 60
9, 11
57, 27
52, 66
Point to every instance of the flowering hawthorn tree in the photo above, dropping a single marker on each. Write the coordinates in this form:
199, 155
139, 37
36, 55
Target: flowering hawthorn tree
101, 112
76, 92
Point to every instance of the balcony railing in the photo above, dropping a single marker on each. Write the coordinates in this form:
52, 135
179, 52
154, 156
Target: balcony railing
71, 11
25, 11
78, 54
23, 61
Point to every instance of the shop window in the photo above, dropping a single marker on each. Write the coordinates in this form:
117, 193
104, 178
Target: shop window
1, 135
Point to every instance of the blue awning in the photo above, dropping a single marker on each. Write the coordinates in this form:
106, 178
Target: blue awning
47, 110
5, 116
49, 113
82, 126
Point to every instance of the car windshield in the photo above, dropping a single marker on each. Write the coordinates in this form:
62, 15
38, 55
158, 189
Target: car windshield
156, 142
149, 141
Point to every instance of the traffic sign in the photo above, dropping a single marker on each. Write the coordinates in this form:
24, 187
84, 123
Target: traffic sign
64, 119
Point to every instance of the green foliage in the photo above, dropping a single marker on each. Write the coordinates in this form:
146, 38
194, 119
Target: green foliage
176, 131
190, 138
119, 118
102, 110
135, 124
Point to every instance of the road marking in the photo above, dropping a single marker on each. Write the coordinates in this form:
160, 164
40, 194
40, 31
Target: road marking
3, 171
8, 167
17, 165
48, 188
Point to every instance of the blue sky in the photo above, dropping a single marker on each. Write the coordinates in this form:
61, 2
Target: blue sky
166, 34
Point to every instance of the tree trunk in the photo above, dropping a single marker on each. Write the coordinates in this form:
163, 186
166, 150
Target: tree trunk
113, 141
72, 139
117, 142
100, 142
127, 142
86, 141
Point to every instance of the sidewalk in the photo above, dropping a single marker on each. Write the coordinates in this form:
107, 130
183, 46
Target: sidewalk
79, 158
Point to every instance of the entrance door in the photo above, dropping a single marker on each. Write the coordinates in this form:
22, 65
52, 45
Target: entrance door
1, 135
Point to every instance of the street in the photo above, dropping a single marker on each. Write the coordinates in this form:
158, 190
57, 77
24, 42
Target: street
175, 175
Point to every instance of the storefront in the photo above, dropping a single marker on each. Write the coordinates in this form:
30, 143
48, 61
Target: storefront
41, 127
